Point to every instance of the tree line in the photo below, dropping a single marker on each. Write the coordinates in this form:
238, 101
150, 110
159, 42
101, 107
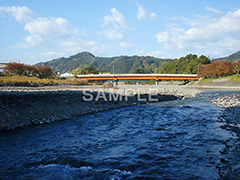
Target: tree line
88, 70
41, 71
202, 65
184, 65
219, 69
190, 64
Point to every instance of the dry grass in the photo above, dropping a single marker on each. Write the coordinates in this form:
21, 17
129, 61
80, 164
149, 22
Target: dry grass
234, 78
34, 81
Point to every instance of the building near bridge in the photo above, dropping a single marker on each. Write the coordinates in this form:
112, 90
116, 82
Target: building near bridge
66, 75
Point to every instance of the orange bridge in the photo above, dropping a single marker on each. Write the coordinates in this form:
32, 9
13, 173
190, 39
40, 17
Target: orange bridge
137, 77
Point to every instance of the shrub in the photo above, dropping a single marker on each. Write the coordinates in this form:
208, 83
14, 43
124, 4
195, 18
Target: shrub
44, 71
41, 71
15, 68
216, 69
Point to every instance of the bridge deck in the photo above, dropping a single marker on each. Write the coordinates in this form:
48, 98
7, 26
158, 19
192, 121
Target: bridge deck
139, 77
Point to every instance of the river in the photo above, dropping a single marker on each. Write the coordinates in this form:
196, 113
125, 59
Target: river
181, 139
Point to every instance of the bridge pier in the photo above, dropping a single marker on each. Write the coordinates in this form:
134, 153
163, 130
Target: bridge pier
115, 82
156, 82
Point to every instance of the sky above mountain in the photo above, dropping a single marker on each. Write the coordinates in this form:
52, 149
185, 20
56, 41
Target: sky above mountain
37, 30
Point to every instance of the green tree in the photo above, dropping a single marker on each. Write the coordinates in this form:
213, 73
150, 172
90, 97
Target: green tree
79, 71
184, 65
91, 70
236, 67
139, 71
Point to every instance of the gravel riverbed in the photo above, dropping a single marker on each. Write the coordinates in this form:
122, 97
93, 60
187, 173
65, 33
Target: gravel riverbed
22, 106
232, 100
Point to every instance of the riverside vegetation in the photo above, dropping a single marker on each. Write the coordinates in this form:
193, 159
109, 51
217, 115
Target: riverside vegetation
87, 63
35, 81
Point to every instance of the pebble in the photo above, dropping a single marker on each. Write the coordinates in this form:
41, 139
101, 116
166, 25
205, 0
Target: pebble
227, 101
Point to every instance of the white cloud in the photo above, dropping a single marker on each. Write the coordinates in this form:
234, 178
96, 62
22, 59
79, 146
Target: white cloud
55, 34
162, 36
41, 30
155, 53
213, 10
153, 16
114, 24
149, 53
141, 12
20, 14
44, 29
113, 34
77, 45
126, 45
212, 35
115, 20
52, 55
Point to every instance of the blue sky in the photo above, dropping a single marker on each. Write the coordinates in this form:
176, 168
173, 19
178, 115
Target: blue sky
37, 30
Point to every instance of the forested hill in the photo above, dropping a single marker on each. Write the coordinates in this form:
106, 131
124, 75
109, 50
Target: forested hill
184, 65
133, 64
120, 64
232, 58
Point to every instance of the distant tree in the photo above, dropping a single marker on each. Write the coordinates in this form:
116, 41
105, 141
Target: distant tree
204, 60
236, 67
30, 70
191, 56
184, 65
87, 70
216, 69
44, 71
139, 71
41, 71
15, 68
91, 70
78, 71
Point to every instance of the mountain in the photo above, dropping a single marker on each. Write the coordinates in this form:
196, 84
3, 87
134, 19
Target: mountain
120, 64
233, 57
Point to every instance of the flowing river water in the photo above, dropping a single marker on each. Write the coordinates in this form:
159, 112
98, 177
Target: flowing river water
181, 139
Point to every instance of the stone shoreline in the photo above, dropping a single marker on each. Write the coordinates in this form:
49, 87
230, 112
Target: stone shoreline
227, 101
23, 106
229, 168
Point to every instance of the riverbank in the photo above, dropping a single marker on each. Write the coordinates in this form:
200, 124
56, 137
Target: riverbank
23, 106
229, 168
